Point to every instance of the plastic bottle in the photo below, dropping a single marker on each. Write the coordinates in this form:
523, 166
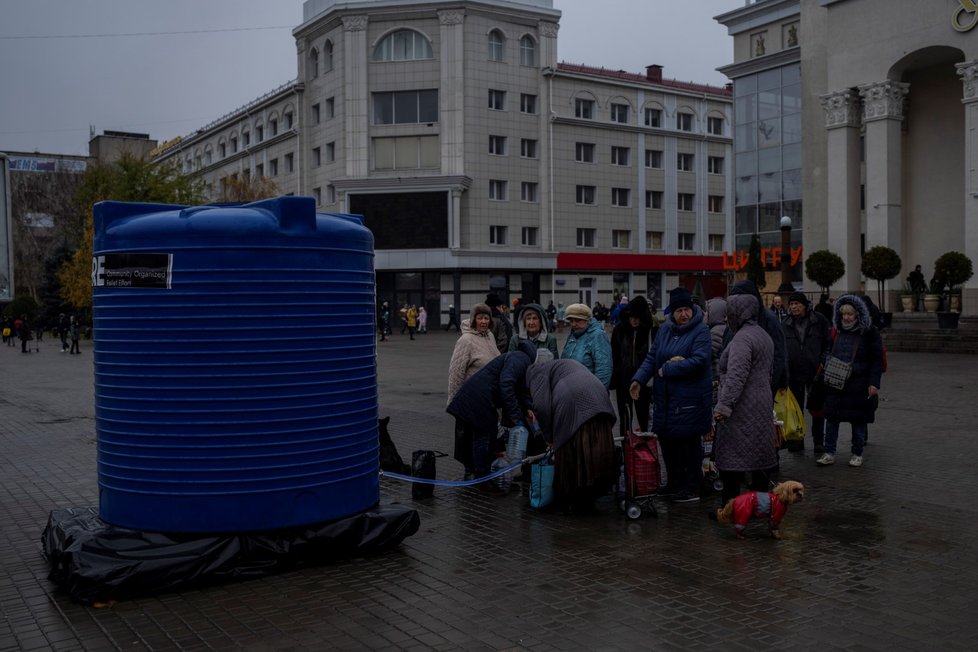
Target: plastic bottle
516, 442
504, 480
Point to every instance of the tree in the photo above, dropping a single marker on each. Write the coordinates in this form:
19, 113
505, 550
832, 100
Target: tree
953, 268
755, 266
824, 268
248, 189
881, 264
128, 179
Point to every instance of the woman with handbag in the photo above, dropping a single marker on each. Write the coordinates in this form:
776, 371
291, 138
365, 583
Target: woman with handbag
851, 375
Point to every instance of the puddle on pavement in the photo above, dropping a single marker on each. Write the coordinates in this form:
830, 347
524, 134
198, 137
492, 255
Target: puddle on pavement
852, 526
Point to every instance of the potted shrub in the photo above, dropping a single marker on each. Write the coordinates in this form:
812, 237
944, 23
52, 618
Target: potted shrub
824, 268
881, 264
907, 298
955, 269
932, 298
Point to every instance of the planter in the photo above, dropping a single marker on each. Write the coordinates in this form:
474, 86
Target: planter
947, 319
955, 301
906, 300
932, 302
887, 319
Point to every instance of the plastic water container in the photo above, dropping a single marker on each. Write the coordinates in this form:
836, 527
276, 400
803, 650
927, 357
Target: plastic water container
505, 480
235, 366
516, 442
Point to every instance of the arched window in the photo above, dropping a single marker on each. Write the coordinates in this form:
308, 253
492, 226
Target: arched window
313, 63
528, 51
403, 45
497, 46
327, 56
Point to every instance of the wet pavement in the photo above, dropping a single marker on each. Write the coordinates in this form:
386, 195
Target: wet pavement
883, 557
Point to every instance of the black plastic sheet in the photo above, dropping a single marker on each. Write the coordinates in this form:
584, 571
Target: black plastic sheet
97, 562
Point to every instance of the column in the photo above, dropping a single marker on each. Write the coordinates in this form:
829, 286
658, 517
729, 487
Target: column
357, 138
451, 97
842, 182
968, 71
883, 117
548, 64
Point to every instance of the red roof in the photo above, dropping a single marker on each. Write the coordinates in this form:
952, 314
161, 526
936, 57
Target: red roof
639, 262
642, 78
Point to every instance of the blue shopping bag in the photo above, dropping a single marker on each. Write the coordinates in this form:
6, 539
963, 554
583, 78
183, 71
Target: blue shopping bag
541, 483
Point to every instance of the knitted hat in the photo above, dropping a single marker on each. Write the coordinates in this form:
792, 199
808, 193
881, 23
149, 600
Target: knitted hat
679, 298
799, 297
577, 311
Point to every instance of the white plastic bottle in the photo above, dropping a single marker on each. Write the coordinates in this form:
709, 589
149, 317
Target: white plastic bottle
504, 480
516, 442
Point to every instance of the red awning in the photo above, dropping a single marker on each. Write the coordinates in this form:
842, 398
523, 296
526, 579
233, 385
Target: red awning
639, 262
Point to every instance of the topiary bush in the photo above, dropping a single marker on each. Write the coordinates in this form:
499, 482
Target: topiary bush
953, 268
824, 268
881, 264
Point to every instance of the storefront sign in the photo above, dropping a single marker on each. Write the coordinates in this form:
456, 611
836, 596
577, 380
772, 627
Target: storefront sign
770, 258
965, 17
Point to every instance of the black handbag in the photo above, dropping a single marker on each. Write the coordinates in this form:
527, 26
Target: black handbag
423, 466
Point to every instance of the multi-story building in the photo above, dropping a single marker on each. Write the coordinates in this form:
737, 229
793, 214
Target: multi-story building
889, 124
482, 164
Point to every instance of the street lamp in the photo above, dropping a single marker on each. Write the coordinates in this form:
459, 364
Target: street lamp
786, 287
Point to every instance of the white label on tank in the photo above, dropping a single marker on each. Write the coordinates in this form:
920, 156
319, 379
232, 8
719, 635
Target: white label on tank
136, 270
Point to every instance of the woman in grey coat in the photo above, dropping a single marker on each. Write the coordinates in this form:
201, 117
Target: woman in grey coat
745, 433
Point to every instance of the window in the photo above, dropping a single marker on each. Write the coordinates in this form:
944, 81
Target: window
619, 155
497, 46
315, 114
528, 148
653, 117
714, 165
259, 171
403, 45
684, 162
290, 163
653, 199
497, 145
585, 237
620, 196
653, 158
497, 234
619, 113
222, 150
273, 127
406, 107
327, 56
584, 109
273, 167
685, 201
317, 157
714, 126
288, 120
528, 192
621, 239
330, 152
330, 107
246, 138
317, 193
686, 241
653, 240
715, 203
528, 51
528, 103
716, 243
313, 63
405, 152
497, 190
585, 195
530, 236
684, 121
234, 144
259, 134
330, 194
584, 152
497, 100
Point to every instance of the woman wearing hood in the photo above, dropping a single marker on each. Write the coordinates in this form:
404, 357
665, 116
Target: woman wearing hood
858, 343
743, 414
772, 326
630, 342
587, 343
679, 360
576, 418
531, 324
474, 349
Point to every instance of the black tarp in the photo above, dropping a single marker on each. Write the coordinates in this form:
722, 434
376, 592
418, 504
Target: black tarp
97, 562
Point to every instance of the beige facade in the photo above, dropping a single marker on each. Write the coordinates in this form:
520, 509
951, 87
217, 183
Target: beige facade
482, 163
890, 124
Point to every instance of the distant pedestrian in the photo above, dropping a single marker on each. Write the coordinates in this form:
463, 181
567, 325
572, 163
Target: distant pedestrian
422, 320
918, 286
777, 307
824, 307
411, 319
384, 321
453, 319
75, 336
24, 333
63, 326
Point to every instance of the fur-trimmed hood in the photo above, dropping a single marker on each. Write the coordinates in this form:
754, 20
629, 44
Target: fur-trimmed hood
863, 317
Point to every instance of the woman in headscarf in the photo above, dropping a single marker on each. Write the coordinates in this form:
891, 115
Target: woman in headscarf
576, 417
745, 423
531, 324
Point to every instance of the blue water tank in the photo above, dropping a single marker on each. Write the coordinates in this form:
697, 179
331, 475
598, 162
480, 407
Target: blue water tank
235, 366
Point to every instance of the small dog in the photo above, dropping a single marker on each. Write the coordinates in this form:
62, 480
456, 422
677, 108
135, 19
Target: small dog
760, 503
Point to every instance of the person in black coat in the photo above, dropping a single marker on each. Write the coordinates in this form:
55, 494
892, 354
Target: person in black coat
824, 308
858, 343
501, 384
630, 342
807, 337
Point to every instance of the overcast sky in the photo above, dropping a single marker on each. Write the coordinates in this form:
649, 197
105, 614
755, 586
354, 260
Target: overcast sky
143, 71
